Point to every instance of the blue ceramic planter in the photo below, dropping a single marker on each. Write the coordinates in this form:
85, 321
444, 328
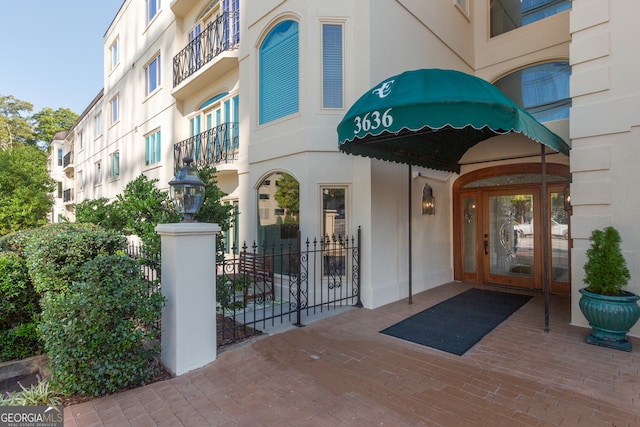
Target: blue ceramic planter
610, 317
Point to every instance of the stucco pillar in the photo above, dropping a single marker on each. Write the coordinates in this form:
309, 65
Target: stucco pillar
188, 284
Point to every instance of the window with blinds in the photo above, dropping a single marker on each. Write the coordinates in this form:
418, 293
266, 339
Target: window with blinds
279, 73
332, 58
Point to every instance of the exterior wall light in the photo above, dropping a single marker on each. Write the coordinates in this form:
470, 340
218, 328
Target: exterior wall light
187, 189
428, 201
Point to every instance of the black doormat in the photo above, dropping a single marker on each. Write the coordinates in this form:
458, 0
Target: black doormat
455, 325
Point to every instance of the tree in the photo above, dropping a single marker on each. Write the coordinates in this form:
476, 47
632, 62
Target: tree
25, 188
144, 206
15, 126
49, 121
288, 196
100, 212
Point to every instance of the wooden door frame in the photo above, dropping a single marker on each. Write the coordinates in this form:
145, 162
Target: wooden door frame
459, 191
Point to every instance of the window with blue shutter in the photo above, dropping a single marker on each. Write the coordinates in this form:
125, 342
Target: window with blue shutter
279, 72
152, 148
332, 66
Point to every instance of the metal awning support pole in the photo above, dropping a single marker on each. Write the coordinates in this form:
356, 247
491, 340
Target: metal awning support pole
545, 239
410, 248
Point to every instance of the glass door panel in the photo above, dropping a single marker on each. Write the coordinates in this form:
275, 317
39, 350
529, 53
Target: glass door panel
509, 241
559, 229
469, 233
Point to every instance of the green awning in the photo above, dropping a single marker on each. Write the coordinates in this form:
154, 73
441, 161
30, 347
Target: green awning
431, 117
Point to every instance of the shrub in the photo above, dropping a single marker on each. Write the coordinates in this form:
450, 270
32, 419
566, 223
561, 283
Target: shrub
40, 394
605, 271
97, 335
55, 254
18, 308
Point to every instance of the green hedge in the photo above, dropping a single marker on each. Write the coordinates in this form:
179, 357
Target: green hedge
56, 253
19, 308
96, 334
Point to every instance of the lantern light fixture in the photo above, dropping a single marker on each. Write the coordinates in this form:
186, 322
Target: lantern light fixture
428, 201
187, 190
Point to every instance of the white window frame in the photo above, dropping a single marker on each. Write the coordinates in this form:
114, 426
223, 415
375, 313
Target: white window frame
148, 90
329, 187
114, 51
322, 99
148, 10
98, 173
97, 121
153, 148
114, 165
80, 180
463, 6
115, 109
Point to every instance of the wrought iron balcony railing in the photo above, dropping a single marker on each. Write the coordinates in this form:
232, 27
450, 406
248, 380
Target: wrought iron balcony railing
218, 145
67, 159
67, 195
220, 35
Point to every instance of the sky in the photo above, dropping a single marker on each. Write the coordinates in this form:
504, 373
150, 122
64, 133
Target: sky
51, 51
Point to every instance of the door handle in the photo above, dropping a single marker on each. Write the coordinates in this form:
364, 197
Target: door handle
486, 247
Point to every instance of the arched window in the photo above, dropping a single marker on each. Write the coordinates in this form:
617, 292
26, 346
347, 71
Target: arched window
278, 216
279, 72
278, 208
542, 90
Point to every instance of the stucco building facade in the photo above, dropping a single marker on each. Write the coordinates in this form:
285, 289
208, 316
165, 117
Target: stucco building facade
257, 89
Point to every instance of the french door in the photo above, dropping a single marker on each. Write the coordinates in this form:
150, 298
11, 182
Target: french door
510, 252
498, 236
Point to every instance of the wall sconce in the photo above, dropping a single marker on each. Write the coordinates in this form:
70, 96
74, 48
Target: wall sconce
428, 201
187, 189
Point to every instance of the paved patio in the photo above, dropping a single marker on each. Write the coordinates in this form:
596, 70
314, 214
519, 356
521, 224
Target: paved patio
340, 371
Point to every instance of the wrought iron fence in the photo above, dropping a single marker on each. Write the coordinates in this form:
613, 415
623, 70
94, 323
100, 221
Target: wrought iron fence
211, 147
150, 264
220, 35
264, 286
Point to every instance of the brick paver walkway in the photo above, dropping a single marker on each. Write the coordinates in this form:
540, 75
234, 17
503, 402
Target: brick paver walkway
341, 371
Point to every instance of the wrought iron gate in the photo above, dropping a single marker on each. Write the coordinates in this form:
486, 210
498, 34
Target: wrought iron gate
264, 286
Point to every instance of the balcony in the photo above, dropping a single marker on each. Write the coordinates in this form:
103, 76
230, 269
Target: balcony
67, 196
214, 147
67, 162
208, 56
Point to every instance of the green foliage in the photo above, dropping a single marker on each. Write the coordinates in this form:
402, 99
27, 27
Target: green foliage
20, 342
229, 289
288, 196
18, 308
56, 253
49, 121
96, 334
213, 211
145, 206
142, 206
15, 128
101, 212
41, 394
26, 186
606, 271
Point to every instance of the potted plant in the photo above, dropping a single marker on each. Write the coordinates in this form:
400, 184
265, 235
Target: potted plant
610, 310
